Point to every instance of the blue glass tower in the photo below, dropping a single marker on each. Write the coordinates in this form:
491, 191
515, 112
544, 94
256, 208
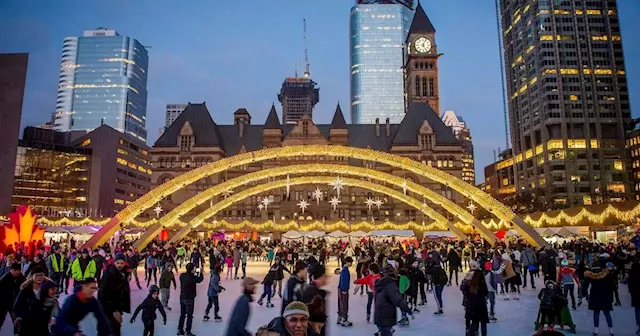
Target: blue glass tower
103, 80
378, 30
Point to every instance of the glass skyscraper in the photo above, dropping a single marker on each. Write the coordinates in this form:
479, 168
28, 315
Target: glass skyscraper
378, 30
103, 80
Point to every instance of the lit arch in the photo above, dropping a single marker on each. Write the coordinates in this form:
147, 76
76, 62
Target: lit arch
476, 195
200, 218
265, 174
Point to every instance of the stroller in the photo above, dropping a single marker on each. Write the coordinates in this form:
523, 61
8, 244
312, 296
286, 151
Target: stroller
564, 319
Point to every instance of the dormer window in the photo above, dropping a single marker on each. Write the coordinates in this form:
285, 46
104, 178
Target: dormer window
305, 128
426, 142
186, 142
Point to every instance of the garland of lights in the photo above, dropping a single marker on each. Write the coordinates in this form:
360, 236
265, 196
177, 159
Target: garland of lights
474, 194
440, 221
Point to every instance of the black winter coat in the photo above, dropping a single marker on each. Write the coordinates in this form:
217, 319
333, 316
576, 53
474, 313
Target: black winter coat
114, 294
454, 259
9, 289
148, 307
188, 282
634, 284
415, 276
387, 298
166, 278
309, 293
475, 305
29, 307
278, 326
601, 293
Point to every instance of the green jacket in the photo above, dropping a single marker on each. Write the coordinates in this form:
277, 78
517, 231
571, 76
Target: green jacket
89, 272
404, 284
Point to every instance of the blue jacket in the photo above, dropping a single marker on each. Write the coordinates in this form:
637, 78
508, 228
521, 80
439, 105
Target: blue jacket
239, 317
345, 279
73, 311
214, 285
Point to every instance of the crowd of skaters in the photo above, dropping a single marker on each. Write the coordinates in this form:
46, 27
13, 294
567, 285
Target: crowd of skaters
394, 274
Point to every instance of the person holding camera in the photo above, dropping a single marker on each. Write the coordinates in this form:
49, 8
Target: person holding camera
188, 282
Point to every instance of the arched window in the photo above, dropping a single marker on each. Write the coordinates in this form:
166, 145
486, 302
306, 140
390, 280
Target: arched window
417, 83
424, 86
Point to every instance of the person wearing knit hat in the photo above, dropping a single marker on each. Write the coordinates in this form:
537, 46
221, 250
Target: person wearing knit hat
313, 291
294, 321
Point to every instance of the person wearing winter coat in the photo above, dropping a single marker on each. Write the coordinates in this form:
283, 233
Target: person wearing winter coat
344, 283
152, 268
30, 316
241, 311
149, 306
455, 264
568, 278
9, 288
188, 282
388, 300
132, 259
312, 293
415, 276
294, 321
294, 285
114, 294
529, 257
369, 280
83, 267
267, 283
475, 302
548, 265
510, 278
75, 309
37, 262
166, 279
237, 254
279, 276
439, 278
212, 293
548, 297
492, 287
598, 284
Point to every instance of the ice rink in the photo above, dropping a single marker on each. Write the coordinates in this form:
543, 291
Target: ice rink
514, 317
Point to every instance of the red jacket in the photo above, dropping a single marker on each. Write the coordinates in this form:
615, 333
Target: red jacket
368, 280
567, 275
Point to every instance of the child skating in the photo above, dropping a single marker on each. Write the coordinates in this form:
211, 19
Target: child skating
148, 307
214, 290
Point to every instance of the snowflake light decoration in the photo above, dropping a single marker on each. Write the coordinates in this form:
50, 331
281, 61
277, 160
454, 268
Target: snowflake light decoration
337, 184
303, 204
334, 201
317, 195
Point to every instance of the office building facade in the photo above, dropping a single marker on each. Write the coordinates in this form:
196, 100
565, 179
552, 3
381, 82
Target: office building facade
172, 112
463, 134
377, 33
298, 96
103, 80
13, 76
568, 100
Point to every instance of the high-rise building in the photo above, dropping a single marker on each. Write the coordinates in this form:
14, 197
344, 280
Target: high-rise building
173, 111
298, 96
13, 75
378, 30
463, 134
103, 80
568, 99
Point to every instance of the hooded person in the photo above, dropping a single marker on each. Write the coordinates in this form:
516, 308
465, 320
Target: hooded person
31, 317
597, 284
149, 306
388, 299
293, 322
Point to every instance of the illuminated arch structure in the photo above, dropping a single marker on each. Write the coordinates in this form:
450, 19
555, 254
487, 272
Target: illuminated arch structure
499, 210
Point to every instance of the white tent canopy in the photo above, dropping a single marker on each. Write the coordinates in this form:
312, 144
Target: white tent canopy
359, 234
578, 230
314, 234
292, 234
545, 231
337, 234
56, 229
388, 233
563, 232
87, 229
513, 233
439, 234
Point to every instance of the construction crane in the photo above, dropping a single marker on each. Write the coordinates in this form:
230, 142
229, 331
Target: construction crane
307, 73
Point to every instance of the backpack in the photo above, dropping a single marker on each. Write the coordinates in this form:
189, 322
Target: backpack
442, 279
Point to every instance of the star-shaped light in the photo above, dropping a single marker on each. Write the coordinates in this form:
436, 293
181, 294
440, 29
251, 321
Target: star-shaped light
288, 185
471, 207
158, 210
317, 195
337, 184
334, 201
260, 206
378, 203
404, 186
303, 204
265, 202
226, 193
369, 202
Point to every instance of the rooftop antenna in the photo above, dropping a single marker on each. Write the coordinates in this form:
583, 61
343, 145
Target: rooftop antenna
295, 69
307, 73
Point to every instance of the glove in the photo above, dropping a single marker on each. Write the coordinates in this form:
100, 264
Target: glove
132, 320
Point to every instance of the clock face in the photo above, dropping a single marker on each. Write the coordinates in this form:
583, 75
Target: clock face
423, 44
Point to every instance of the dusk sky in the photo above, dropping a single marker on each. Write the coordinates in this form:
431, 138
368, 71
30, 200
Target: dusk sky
235, 54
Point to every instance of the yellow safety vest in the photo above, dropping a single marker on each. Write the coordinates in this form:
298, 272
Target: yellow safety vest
58, 267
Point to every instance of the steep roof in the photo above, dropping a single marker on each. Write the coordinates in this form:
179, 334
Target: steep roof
272, 119
409, 128
421, 22
338, 121
205, 131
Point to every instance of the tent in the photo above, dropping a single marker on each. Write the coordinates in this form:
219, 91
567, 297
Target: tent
86, 229
292, 234
437, 234
513, 233
57, 229
563, 232
337, 234
391, 233
358, 234
314, 234
578, 230
545, 231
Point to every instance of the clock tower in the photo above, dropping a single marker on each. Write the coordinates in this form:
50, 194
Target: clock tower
421, 66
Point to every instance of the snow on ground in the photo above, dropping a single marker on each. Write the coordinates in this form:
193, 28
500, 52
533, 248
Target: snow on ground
514, 317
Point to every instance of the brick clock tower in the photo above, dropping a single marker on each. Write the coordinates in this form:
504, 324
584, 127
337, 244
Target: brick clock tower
421, 67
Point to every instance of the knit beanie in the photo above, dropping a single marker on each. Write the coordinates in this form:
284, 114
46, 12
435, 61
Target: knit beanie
296, 307
119, 256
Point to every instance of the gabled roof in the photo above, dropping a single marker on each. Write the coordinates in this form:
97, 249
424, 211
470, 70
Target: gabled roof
338, 121
421, 22
272, 119
205, 131
409, 129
